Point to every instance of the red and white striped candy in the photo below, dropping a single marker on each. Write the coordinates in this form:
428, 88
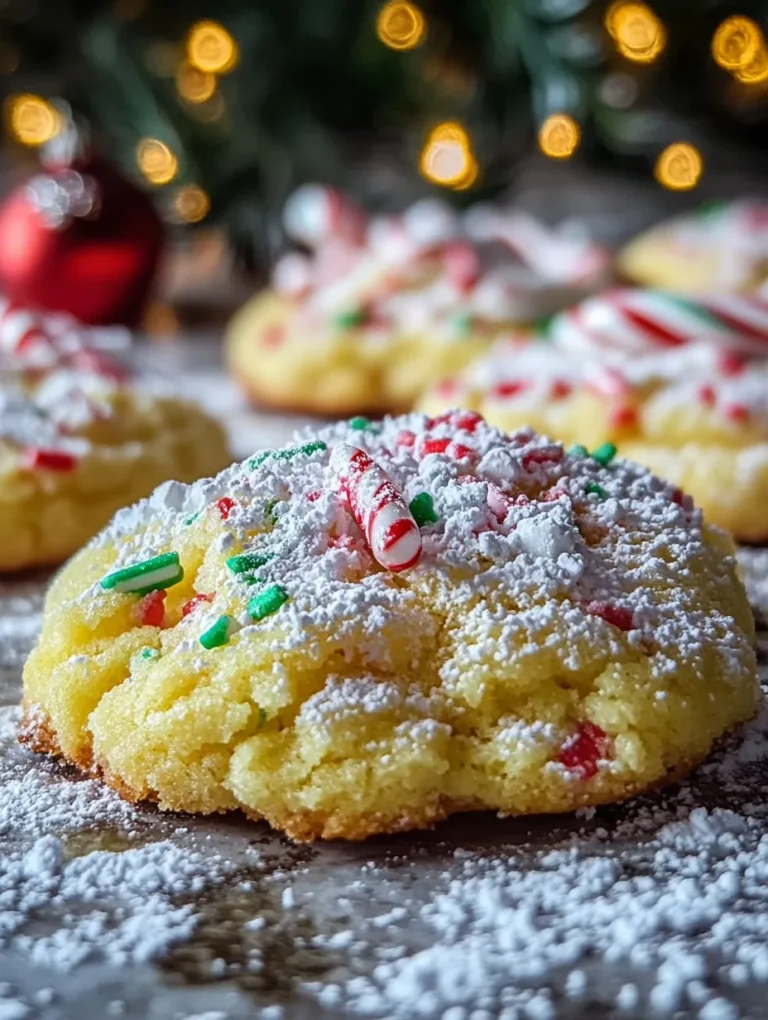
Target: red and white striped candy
314, 213
23, 333
548, 253
639, 321
378, 507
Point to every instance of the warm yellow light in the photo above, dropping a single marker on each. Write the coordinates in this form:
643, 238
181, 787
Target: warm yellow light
156, 161
194, 85
559, 136
447, 158
211, 48
401, 25
736, 42
756, 71
637, 31
679, 167
32, 120
191, 203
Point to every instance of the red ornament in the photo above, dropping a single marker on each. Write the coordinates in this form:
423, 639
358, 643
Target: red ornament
82, 239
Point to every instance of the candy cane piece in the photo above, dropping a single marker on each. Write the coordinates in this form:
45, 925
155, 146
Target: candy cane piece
644, 320
315, 213
378, 508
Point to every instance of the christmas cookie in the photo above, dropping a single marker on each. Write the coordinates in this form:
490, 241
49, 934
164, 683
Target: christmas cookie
677, 385
721, 248
79, 440
382, 624
380, 309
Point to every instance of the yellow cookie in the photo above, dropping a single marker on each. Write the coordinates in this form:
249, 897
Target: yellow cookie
75, 446
374, 316
719, 248
383, 624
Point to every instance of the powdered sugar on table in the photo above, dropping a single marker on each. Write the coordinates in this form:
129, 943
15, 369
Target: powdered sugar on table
658, 905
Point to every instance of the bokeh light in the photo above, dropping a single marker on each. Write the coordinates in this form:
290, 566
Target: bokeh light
401, 25
679, 167
637, 31
447, 158
194, 85
191, 203
559, 136
211, 48
756, 71
156, 161
736, 42
31, 119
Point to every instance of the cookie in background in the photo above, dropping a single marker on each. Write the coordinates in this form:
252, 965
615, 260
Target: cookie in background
721, 248
678, 385
371, 311
80, 437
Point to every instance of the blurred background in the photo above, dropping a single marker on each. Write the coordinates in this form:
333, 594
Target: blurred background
614, 114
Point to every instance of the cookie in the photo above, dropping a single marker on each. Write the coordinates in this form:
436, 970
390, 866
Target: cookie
380, 309
677, 385
721, 248
79, 440
383, 624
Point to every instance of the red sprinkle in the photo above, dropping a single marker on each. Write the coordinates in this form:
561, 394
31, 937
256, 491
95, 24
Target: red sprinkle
542, 455
49, 460
150, 610
706, 395
462, 265
314, 496
585, 749
273, 335
446, 387
560, 388
225, 506
510, 388
731, 363
617, 616
682, 500
468, 420
446, 445
736, 413
197, 600
623, 417
405, 438
552, 495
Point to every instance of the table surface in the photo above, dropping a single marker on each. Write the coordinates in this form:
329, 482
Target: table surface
108, 910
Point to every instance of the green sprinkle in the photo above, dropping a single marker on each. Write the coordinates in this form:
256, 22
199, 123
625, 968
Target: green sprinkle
144, 655
248, 561
711, 208
604, 453
259, 459
350, 319
149, 575
262, 717
422, 509
543, 325
269, 510
192, 519
294, 451
463, 322
267, 602
577, 450
361, 424
593, 489
218, 634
